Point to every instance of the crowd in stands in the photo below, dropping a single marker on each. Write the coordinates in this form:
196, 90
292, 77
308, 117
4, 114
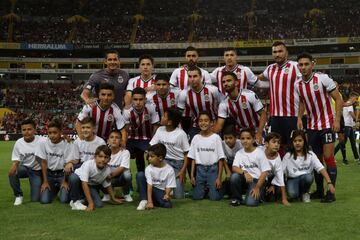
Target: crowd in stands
172, 21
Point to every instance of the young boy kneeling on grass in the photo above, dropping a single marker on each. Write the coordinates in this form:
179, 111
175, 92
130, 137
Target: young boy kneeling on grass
89, 179
158, 181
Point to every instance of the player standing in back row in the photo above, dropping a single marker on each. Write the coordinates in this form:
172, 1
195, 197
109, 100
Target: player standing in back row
284, 100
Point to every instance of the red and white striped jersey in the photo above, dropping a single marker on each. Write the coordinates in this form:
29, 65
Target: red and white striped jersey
140, 123
163, 103
138, 81
207, 99
243, 110
106, 119
179, 78
315, 93
284, 100
244, 75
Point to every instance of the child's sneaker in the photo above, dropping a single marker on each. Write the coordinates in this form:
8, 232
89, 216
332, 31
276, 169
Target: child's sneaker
329, 198
18, 201
306, 198
128, 198
142, 205
235, 202
106, 198
78, 206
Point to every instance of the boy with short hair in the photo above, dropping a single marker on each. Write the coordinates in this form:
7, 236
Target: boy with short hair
163, 97
141, 121
106, 113
275, 181
177, 147
158, 181
25, 164
207, 158
89, 178
54, 153
84, 149
120, 166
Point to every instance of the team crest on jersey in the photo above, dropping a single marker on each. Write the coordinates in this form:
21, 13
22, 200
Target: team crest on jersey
207, 98
286, 70
120, 79
146, 117
238, 74
316, 87
172, 101
110, 118
243, 102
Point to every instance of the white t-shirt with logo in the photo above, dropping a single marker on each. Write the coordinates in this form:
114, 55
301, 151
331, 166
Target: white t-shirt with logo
254, 162
160, 178
176, 142
295, 168
276, 171
206, 150
120, 159
88, 172
85, 150
24, 152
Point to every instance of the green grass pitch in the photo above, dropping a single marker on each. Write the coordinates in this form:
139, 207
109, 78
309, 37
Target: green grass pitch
187, 220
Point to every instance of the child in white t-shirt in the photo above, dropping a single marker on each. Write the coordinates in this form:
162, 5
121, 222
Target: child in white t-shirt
250, 170
119, 165
89, 179
84, 149
54, 152
298, 165
24, 164
207, 157
158, 181
177, 147
275, 182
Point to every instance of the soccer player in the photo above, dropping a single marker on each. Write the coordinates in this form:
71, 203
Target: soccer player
107, 114
142, 120
24, 164
179, 78
111, 74
284, 100
146, 78
163, 97
200, 97
243, 106
315, 91
243, 74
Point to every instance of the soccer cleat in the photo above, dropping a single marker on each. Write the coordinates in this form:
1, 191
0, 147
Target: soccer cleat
106, 198
18, 201
316, 195
306, 198
345, 162
128, 198
78, 206
235, 202
329, 198
142, 205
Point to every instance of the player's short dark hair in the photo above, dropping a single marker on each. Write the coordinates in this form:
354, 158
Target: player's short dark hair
87, 120
112, 51
162, 76
174, 115
279, 43
228, 73
229, 130
248, 130
158, 149
272, 135
206, 113
103, 148
114, 130
191, 48
139, 90
28, 121
230, 49
106, 86
305, 55
146, 56
195, 68
56, 123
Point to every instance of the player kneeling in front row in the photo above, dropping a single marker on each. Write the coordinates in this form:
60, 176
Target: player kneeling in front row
158, 181
89, 179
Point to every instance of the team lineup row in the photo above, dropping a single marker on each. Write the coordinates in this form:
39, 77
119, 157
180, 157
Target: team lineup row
293, 88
